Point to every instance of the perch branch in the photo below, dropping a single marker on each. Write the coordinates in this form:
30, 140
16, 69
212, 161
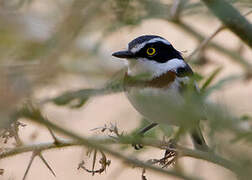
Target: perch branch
97, 143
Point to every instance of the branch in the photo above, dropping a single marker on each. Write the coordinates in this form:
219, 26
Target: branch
37, 147
34, 114
232, 19
91, 143
211, 157
115, 85
208, 156
176, 8
205, 42
231, 54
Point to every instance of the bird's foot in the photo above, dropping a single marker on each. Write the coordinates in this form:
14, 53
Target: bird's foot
169, 158
170, 154
141, 134
137, 146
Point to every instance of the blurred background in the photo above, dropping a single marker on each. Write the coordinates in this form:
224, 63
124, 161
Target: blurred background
50, 47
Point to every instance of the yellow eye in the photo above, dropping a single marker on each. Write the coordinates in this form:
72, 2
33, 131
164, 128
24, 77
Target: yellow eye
151, 51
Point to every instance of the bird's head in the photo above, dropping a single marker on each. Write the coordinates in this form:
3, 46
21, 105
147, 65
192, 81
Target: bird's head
151, 54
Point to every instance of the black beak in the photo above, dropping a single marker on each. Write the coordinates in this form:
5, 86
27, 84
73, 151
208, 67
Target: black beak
123, 54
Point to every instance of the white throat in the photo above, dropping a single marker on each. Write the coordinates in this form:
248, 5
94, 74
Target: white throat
155, 69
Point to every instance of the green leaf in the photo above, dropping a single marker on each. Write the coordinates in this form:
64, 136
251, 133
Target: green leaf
197, 77
76, 99
211, 78
246, 117
221, 83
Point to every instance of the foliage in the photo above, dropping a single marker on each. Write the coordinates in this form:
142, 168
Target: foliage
40, 47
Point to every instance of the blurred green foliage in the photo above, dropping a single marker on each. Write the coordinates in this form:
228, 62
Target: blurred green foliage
43, 41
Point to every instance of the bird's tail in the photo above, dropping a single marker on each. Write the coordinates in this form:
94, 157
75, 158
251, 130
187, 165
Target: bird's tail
198, 139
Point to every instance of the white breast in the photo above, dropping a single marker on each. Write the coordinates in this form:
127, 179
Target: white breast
155, 103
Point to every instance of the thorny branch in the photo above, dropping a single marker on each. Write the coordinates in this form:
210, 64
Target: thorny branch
35, 115
35, 153
124, 140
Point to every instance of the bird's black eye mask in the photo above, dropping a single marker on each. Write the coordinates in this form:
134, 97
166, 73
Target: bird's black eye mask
158, 52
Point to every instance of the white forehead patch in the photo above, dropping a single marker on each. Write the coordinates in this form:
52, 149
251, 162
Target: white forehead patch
140, 46
143, 65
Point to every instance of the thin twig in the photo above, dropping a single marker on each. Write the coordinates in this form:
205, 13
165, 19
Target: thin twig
248, 13
232, 19
205, 42
47, 165
94, 161
231, 54
176, 8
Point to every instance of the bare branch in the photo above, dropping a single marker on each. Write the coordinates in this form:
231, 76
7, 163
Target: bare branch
232, 19
205, 42
1, 171
176, 8
94, 161
231, 54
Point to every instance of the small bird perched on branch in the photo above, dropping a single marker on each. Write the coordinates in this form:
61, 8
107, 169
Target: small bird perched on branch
157, 72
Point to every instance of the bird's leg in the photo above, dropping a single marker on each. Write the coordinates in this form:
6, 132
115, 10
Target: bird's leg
173, 141
170, 154
147, 128
142, 132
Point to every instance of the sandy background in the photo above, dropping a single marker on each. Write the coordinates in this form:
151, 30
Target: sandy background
116, 108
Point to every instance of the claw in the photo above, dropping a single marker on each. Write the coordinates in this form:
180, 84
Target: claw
172, 143
137, 146
141, 133
170, 155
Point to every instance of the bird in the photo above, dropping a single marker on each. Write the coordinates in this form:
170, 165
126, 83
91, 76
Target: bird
157, 71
